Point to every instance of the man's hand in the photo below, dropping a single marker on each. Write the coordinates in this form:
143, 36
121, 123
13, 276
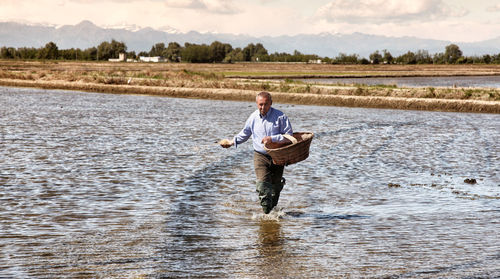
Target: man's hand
266, 140
226, 143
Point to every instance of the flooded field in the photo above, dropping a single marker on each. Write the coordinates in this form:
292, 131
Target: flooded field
123, 186
452, 81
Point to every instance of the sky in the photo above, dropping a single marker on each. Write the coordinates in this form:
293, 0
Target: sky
453, 20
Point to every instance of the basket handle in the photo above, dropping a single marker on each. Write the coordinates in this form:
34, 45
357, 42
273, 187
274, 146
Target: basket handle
290, 138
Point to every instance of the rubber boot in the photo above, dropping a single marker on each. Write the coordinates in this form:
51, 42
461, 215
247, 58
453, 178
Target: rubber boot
277, 190
265, 190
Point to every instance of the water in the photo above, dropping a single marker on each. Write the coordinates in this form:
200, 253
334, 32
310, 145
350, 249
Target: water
122, 186
452, 81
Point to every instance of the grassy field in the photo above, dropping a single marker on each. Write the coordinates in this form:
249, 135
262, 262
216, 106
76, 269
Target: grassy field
241, 81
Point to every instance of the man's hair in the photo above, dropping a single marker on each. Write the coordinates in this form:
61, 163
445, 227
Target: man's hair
265, 94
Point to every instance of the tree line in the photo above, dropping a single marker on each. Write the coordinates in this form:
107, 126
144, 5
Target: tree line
50, 51
218, 52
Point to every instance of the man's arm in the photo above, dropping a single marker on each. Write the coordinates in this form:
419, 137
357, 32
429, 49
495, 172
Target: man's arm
241, 137
244, 135
285, 128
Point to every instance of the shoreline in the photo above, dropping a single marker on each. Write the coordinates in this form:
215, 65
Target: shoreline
361, 76
381, 102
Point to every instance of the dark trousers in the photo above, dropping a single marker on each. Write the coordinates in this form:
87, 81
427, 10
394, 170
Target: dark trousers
265, 170
269, 180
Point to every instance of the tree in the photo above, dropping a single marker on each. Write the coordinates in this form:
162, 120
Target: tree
438, 58
280, 57
486, 59
387, 57
235, 55
343, 58
131, 54
376, 57
407, 58
173, 52
423, 57
218, 51
142, 53
117, 48
196, 53
7, 53
158, 50
452, 53
248, 52
90, 54
68, 54
104, 51
364, 61
260, 52
50, 51
251, 52
107, 50
27, 53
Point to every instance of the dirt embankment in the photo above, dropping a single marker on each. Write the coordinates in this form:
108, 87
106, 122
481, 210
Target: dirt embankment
211, 82
294, 98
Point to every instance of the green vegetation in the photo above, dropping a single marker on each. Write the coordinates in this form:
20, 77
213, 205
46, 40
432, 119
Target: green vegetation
384, 86
432, 92
205, 75
218, 52
468, 93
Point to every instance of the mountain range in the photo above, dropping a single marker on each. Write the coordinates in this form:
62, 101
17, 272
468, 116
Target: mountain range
86, 34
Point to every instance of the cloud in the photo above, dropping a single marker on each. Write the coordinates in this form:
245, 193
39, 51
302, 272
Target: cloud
211, 6
114, 1
495, 8
383, 11
186, 4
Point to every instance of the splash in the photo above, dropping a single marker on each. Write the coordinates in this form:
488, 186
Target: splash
275, 215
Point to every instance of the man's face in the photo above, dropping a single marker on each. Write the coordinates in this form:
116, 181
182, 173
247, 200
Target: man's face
264, 104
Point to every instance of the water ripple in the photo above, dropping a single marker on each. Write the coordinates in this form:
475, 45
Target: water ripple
113, 186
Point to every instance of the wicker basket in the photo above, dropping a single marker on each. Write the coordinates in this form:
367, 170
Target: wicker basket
291, 153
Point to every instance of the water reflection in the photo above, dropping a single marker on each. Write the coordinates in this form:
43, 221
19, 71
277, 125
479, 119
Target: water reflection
453, 81
272, 254
112, 186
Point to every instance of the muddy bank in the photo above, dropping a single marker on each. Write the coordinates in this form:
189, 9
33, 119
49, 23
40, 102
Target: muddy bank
430, 104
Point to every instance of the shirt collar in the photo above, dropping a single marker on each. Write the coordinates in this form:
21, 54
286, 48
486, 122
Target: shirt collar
267, 114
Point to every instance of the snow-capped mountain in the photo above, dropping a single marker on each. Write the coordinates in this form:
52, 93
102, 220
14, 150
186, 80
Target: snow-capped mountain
86, 34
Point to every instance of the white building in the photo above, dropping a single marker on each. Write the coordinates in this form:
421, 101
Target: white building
315, 61
151, 59
122, 57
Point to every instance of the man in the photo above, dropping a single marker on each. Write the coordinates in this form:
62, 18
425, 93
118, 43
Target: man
265, 125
